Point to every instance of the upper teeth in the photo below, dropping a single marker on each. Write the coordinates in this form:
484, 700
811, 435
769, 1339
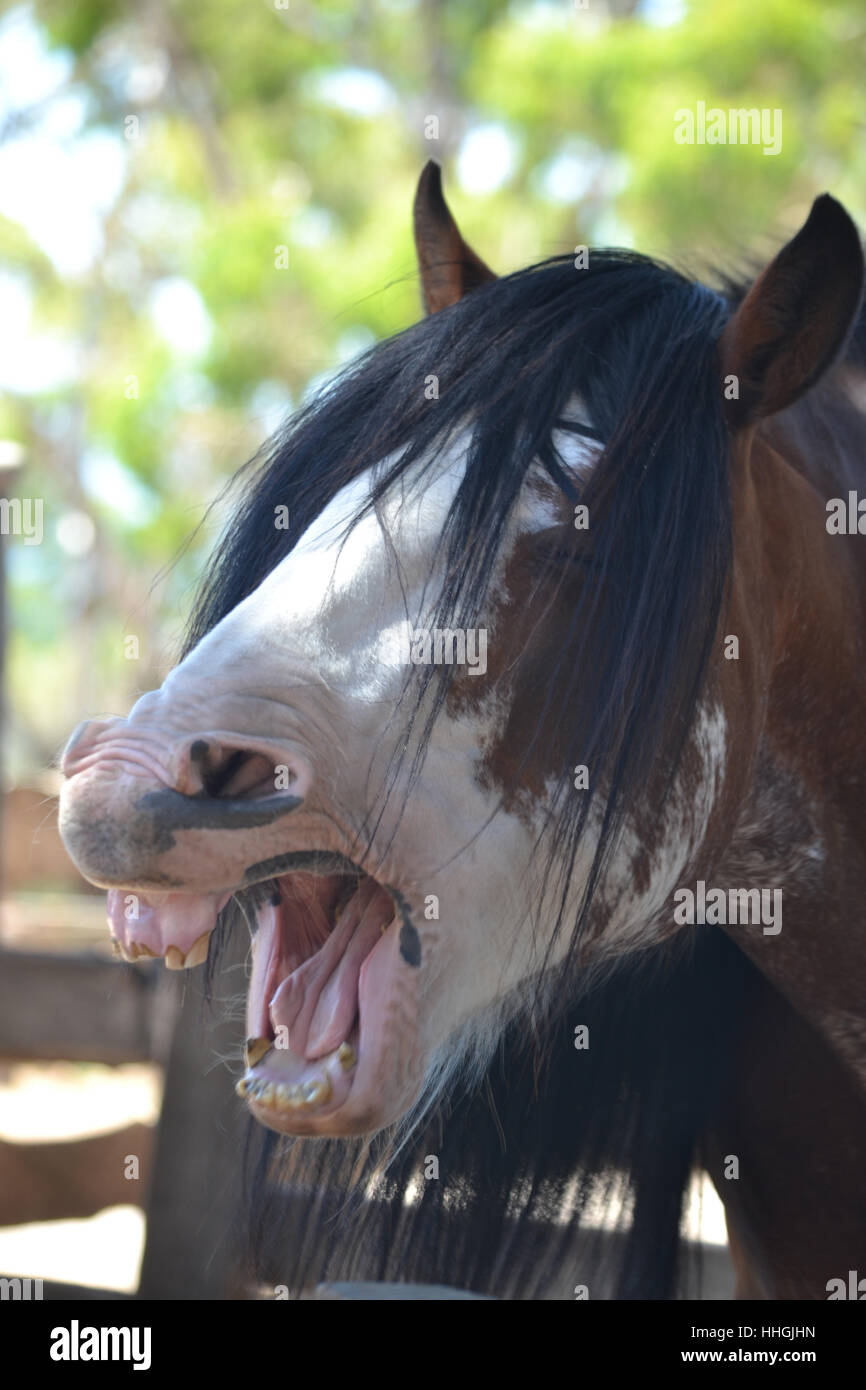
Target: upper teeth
197, 953
174, 956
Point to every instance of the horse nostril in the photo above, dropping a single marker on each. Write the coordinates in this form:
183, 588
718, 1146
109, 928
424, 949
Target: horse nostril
223, 773
241, 774
213, 768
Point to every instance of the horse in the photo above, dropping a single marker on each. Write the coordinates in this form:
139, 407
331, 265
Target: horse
519, 718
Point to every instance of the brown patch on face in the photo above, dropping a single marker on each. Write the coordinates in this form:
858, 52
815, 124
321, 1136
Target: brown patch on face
528, 751
522, 650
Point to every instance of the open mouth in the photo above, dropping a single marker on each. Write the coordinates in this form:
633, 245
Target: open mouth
311, 995
332, 1042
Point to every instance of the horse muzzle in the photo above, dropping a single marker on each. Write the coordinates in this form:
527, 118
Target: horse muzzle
139, 809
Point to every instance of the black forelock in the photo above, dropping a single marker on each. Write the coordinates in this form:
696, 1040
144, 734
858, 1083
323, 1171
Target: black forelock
507, 357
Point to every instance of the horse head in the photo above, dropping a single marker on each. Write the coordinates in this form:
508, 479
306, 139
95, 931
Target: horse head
456, 716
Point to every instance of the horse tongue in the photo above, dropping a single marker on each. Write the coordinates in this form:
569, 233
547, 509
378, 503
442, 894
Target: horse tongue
317, 1002
173, 925
338, 1002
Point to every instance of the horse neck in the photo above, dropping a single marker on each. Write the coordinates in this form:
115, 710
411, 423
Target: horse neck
799, 596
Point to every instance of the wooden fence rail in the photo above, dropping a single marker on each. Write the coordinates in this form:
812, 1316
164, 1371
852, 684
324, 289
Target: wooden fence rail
76, 1008
85, 1008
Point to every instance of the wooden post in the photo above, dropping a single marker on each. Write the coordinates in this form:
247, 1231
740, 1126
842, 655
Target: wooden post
194, 1200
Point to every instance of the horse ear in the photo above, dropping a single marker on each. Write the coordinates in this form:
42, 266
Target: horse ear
796, 317
449, 268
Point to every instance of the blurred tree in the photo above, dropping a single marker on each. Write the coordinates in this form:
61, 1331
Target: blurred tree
247, 171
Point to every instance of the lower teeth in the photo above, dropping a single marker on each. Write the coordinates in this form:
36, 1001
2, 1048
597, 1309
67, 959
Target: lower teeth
305, 1095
